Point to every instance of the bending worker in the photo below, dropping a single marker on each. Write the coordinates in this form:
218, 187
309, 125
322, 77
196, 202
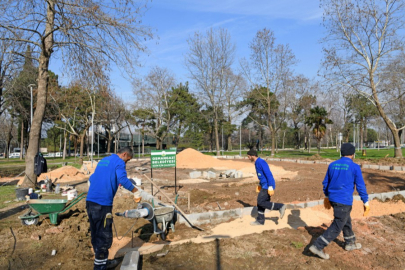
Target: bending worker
338, 186
265, 189
109, 173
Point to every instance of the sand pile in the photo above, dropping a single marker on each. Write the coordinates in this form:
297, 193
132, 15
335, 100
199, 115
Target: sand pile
62, 175
192, 159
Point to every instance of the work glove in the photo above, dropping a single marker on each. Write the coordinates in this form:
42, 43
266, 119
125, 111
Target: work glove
326, 203
366, 209
270, 191
137, 196
258, 188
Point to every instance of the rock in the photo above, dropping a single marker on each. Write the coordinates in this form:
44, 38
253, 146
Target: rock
226, 204
211, 175
237, 193
54, 230
35, 236
195, 174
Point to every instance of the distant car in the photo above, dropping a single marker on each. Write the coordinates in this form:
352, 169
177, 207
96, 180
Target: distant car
14, 155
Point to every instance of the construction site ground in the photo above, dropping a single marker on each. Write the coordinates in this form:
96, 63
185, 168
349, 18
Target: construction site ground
279, 244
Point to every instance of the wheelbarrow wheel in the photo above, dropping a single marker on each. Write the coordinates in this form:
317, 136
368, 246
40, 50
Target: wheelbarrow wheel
29, 221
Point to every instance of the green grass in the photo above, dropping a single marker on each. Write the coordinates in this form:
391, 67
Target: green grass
325, 153
297, 244
7, 193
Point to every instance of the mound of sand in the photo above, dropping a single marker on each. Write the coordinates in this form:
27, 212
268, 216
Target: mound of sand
62, 175
192, 159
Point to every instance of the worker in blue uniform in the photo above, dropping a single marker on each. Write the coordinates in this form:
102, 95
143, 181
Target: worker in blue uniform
341, 178
104, 182
265, 189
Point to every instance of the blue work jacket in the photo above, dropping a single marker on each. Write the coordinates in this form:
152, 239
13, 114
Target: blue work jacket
109, 173
341, 178
264, 174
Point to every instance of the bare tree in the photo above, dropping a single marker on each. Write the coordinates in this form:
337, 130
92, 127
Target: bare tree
8, 132
269, 67
154, 97
10, 65
362, 39
209, 58
234, 86
79, 33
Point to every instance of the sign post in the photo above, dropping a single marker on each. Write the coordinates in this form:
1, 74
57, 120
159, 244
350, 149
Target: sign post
164, 159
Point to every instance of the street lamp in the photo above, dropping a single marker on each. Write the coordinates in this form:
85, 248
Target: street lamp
30, 86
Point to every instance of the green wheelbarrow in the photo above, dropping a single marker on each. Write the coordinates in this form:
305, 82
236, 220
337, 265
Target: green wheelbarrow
49, 207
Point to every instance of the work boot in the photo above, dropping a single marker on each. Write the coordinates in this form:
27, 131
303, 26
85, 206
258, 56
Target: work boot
282, 211
352, 246
319, 252
255, 223
112, 263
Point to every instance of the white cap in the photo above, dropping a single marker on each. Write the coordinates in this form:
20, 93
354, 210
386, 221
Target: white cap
30, 190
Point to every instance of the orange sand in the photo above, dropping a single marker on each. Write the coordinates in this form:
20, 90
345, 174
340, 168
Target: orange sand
192, 159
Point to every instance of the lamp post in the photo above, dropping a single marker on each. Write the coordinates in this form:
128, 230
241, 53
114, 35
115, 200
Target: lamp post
30, 86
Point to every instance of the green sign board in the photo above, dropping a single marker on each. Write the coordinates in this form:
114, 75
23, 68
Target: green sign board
163, 158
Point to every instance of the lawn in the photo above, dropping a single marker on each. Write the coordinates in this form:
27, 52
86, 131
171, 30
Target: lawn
7, 193
325, 153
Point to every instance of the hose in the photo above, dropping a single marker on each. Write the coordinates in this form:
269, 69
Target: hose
115, 229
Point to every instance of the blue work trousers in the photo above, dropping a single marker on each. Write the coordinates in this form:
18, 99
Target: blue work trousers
101, 232
341, 222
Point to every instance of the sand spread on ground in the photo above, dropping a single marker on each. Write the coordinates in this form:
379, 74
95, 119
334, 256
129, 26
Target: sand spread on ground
193, 159
315, 216
193, 181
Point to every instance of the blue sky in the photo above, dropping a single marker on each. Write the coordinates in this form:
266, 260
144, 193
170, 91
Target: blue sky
296, 22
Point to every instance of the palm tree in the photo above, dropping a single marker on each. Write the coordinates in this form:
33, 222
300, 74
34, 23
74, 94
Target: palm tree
318, 119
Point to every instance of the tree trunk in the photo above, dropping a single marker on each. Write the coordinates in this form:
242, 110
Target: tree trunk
82, 142
273, 142
211, 139
388, 122
158, 144
361, 134
9, 138
109, 142
283, 139
75, 144
22, 140
229, 144
64, 144
30, 178
143, 142
216, 136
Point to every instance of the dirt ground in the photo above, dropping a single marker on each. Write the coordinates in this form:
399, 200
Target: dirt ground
280, 244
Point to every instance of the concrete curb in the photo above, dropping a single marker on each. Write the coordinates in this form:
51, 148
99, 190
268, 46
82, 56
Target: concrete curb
215, 217
131, 261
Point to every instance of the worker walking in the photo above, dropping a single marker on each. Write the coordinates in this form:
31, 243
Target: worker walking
109, 173
338, 186
265, 189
